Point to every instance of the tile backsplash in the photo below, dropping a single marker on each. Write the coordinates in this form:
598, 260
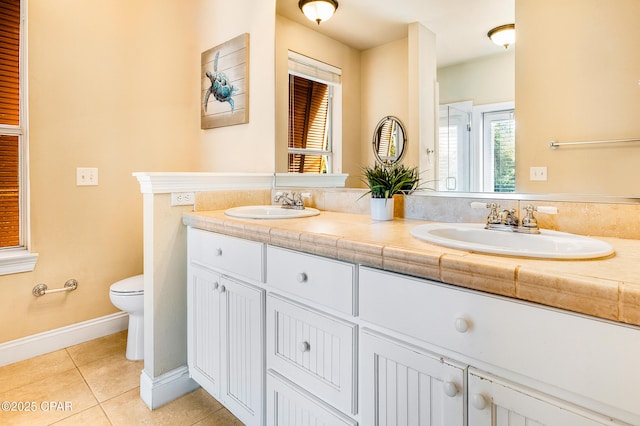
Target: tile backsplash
585, 218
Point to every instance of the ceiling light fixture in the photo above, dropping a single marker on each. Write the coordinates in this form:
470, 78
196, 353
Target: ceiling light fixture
504, 35
318, 10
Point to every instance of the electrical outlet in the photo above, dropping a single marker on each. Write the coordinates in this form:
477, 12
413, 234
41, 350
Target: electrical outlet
538, 173
183, 198
86, 176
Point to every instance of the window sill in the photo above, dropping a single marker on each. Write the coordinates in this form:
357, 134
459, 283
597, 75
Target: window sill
14, 261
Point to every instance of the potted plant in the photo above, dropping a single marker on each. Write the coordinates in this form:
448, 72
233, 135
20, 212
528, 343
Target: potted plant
384, 181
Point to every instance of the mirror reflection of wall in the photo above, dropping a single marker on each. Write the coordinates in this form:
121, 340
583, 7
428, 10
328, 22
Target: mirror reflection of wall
468, 160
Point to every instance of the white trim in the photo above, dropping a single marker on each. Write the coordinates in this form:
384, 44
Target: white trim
13, 261
60, 338
312, 69
311, 180
160, 390
166, 182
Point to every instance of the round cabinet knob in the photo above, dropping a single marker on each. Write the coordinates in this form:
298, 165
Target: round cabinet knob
216, 285
450, 389
222, 289
302, 277
304, 346
478, 401
218, 252
461, 324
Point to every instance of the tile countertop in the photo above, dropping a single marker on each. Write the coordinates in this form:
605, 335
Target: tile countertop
606, 288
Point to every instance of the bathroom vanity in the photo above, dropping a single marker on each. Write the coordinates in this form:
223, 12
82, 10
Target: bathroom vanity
338, 320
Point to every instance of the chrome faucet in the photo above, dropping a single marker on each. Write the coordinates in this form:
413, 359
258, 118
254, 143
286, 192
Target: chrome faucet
507, 220
290, 200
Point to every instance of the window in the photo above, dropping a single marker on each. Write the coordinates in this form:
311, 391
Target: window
476, 148
14, 256
500, 151
313, 87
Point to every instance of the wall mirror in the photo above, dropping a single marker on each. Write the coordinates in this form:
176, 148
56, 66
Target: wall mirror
591, 94
389, 140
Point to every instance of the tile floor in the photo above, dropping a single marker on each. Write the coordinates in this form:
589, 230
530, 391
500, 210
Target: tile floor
94, 384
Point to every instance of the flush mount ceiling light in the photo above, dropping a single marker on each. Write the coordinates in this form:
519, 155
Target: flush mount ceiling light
318, 10
504, 35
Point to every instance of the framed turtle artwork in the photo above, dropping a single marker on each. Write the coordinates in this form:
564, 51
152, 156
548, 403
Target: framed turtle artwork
225, 84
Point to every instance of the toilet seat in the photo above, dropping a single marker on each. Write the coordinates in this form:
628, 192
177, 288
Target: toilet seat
129, 286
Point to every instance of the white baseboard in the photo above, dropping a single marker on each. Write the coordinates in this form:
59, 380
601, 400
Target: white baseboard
59, 338
157, 391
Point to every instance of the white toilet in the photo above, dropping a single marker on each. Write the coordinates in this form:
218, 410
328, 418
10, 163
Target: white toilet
128, 295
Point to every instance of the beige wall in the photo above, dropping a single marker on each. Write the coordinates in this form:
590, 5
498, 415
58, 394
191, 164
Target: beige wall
293, 36
109, 86
384, 90
484, 81
246, 147
577, 73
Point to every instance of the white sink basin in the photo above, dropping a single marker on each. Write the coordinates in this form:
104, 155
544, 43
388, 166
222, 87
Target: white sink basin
547, 245
270, 212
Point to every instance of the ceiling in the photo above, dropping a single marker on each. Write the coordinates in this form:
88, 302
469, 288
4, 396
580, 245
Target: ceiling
460, 26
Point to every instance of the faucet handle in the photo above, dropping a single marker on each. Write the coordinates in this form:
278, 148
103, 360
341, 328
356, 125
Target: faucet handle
530, 222
494, 215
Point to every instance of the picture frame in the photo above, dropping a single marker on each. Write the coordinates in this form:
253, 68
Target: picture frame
224, 99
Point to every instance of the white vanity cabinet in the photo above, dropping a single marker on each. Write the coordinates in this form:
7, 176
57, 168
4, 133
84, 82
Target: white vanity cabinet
588, 365
225, 324
311, 340
287, 338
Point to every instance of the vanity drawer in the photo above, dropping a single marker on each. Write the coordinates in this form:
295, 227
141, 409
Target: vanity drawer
287, 404
314, 278
226, 254
314, 350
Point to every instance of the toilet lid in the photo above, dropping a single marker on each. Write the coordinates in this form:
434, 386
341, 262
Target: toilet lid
131, 285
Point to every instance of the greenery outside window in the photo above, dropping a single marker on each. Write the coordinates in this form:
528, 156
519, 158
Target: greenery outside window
500, 150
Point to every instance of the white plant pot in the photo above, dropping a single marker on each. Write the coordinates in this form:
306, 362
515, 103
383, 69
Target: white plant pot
382, 208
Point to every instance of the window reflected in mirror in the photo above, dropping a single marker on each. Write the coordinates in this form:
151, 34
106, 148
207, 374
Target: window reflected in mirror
313, 88
476, 148
309, 123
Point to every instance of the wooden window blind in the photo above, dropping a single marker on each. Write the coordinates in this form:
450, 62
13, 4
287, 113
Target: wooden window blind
10, 132
10, 62
308, 123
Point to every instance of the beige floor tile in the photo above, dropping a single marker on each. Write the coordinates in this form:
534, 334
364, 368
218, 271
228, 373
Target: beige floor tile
222, 417
67, 388
34, 369
93, 416
112, 375
93, 350
128, 409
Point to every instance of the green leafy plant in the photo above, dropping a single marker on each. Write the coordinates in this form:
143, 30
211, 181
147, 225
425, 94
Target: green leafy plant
386, 181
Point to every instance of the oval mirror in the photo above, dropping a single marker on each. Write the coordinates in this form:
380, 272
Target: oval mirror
389, 140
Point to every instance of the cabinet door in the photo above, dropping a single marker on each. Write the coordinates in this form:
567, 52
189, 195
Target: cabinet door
203, 328
496, 402
242, 313
404, 385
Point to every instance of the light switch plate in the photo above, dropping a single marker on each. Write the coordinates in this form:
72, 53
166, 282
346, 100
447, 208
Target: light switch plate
86, 176
538, 173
